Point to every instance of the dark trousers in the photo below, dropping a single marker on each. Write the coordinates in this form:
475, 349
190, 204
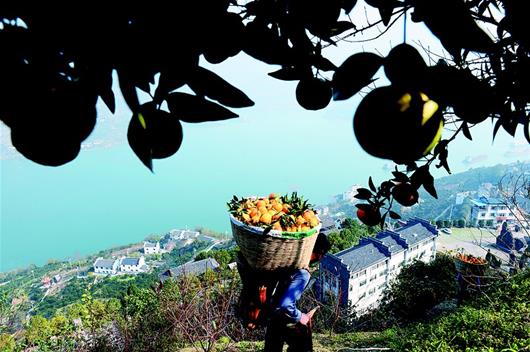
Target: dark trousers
298, 337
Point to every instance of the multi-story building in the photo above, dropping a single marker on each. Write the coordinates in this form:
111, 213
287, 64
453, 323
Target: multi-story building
357, 276
106, 266
490, 212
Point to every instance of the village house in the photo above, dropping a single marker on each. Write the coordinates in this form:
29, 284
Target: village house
492, 212
193, 268
358, 275
106, 266
133, 265
151, 248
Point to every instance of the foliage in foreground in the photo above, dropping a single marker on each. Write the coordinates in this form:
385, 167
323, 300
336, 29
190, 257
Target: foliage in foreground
198, 315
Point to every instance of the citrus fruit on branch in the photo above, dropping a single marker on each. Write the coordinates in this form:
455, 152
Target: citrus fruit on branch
397, 124
405, 194
368, 214
313, 93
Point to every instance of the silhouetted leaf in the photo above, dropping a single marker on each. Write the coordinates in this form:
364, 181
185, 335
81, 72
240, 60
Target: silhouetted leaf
442, 157
169, 81
510, 122
364, 206
341, 27
400, 176
108, 98
442, 145
383, 218
462, 33
264, 43
385, 7
363, 193
411, 166
371, 184
206, 83
128, 90
465, 130
355, 73
348, 5
292, 73
323, 64
191, 108
496, 128
394, 215
428, 183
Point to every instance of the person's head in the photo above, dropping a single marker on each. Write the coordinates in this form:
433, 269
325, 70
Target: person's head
322, 246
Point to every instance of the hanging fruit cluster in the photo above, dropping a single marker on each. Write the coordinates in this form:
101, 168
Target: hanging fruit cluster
282, 213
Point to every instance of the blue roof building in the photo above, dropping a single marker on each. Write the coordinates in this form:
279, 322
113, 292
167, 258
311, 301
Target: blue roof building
358, 275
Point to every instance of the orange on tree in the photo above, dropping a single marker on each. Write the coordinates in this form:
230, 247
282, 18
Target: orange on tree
405, 194
368, 214
397, 124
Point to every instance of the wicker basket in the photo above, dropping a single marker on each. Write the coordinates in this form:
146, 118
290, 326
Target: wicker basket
272, 252
466, 268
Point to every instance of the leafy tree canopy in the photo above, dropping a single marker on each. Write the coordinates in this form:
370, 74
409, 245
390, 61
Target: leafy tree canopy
58, 60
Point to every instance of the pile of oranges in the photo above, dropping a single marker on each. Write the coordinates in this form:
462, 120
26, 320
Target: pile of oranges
285, 214
470, 259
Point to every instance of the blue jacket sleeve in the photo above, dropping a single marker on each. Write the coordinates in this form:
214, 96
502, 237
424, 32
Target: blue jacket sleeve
292, 294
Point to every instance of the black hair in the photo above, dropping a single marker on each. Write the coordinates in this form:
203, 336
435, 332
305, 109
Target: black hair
322, 244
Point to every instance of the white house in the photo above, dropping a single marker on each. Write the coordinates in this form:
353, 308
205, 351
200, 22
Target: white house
491, 211
151, 248
106, 266
133, 265
359, 275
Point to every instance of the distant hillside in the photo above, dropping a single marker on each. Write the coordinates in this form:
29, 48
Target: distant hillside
447, 188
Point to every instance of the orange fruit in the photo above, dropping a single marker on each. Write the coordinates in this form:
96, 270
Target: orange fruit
266, 218
405, 194
314, 222
277, 226
277, 207
308, 214
300, 220
260, 203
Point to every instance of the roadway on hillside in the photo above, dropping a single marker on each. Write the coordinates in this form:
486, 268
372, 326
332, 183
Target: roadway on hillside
473, 241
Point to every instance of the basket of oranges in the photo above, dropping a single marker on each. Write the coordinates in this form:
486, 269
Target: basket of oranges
468, 264
274, 232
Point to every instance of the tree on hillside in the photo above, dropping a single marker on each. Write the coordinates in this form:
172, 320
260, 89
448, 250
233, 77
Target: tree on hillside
418, 288
349, 235
56, 62
514, 191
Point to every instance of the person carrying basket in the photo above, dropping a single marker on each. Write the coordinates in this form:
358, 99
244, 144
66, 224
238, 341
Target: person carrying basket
270, 298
